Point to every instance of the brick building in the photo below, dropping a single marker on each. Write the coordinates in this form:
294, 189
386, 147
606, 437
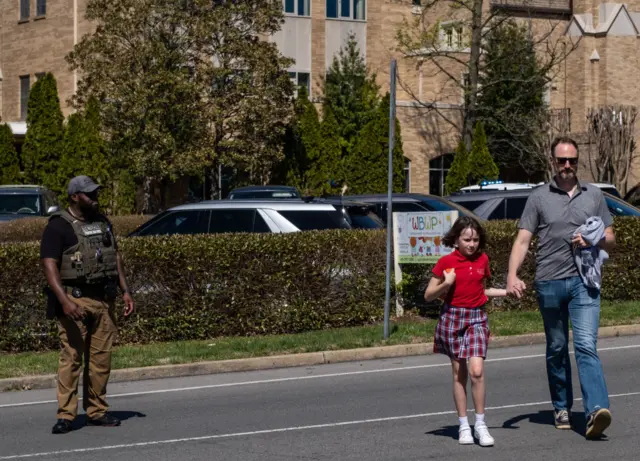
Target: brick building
36, 35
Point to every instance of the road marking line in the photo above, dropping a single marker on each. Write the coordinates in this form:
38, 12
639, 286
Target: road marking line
302, 378
275, 431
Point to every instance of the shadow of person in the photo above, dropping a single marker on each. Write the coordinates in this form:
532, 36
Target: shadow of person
545, 417
446, 431
81, 420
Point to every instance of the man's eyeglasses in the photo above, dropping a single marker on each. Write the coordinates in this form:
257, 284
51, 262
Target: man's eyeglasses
92, 195
573, 161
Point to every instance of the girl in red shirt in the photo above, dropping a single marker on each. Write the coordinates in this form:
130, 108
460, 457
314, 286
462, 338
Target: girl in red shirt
462, 333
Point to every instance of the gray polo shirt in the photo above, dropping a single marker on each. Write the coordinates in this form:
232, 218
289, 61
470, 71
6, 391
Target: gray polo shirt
554, 217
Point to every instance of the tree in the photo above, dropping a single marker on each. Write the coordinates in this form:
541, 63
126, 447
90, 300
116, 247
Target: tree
324, 153
449, 39
186, 85
350, 93
367, 165
481, 164
512, 102
43, 141
9, 161
84, 152
458, 175
610, 131
301, 136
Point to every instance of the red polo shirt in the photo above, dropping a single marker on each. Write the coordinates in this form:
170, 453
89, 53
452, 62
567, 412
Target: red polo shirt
468, 289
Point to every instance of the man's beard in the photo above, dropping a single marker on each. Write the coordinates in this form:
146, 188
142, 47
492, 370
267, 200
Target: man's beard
89, 209
567, 172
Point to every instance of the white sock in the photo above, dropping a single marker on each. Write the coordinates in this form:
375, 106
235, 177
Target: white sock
480, 419
464, 421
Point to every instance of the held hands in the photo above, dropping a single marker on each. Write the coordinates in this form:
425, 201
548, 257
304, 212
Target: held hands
515, 287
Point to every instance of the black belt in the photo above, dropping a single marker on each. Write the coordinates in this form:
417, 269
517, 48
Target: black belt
107, 290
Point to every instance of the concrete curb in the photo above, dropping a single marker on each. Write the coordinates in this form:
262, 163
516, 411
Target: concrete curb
291, 360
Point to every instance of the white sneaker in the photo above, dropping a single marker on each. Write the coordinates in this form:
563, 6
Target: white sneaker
481, 433
464, 436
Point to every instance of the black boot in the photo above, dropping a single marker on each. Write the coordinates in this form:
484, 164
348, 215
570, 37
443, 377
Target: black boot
105, 420
62, 426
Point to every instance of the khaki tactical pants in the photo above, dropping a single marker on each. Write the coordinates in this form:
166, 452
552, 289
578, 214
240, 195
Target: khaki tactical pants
93, 338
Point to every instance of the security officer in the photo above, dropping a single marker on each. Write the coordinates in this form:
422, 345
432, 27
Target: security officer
83, 267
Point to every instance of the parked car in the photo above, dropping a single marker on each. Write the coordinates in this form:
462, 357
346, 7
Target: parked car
23, 201
263, 192
486, 186
509, 204
223, 216
496, 185
360, 215
411, 203
609, 188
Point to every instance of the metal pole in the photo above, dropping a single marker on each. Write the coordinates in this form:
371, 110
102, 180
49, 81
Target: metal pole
392, 135
219, 181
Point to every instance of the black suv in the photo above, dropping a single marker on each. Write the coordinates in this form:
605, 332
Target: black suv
407, 202
509, 204
23, 201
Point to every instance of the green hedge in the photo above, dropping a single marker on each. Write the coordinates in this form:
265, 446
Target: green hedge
200, 287
621, 278
29, 229
206, 286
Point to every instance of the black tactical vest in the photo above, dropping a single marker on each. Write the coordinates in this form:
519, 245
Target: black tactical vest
93, 258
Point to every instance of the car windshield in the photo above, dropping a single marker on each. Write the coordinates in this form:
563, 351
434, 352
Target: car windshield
620, 208
362, 218
316, 220
611, 190
20, 204
262, 194
442, 204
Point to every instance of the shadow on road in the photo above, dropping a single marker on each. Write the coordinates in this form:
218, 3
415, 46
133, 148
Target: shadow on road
81, 420
449, 431
546, 417
446, 431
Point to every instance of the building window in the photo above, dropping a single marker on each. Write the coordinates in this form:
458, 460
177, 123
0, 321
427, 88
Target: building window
438, 169
39, 75
449, 37
407, 175
25, 86
452, 36
300, 79
297, 7
41, 8
346, 9
25, 9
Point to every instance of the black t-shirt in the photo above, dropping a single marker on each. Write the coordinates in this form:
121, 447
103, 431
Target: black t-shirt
58, 236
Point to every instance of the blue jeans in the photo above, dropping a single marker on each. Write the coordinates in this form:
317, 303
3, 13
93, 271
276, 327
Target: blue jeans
560, 300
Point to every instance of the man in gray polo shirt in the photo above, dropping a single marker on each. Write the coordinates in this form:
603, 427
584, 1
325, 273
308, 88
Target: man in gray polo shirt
554, 212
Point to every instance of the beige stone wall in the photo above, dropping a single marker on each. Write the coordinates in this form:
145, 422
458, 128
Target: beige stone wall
36, 45
318, 58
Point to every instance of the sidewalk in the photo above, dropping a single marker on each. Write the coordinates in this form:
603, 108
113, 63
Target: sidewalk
291, 360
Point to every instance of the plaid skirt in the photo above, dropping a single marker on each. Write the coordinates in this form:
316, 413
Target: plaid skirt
462, 333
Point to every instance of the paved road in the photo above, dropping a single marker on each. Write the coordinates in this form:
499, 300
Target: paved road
397, 409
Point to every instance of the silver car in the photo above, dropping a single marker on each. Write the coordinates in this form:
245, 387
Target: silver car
229, 216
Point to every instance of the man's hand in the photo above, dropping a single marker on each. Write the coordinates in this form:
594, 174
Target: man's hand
515, 287
73, 311
128, 304
578, 241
